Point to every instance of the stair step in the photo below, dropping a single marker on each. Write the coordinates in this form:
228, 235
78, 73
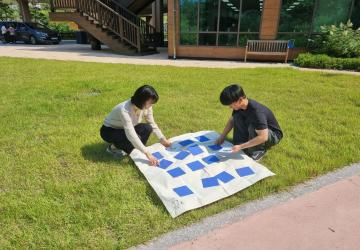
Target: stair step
102, 27
113, 40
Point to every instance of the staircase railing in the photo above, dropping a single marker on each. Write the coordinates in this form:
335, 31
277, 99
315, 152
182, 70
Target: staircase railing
114, 17
148, 32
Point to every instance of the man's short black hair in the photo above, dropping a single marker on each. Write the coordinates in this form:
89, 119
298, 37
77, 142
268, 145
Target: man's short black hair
231, 94
143, 94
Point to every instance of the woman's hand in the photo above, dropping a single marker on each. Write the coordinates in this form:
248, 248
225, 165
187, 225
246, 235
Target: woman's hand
166, 143
152, 159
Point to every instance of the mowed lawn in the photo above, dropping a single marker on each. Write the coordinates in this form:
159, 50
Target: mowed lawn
60, 189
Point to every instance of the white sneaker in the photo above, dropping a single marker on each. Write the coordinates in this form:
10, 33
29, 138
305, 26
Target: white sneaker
115, 151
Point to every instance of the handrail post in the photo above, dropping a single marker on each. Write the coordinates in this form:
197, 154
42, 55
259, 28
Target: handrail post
77, 7
138, 39
121, 28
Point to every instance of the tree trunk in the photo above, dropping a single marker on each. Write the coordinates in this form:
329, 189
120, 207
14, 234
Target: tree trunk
24, 10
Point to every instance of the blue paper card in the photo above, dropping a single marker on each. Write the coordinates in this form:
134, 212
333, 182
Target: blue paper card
195, 150
186, 143
182, 155
202, 138
245, 171
215, 147
211, 159
195, 165
210, 182
225, 177
183, 191
164, 164
157, 155
176, 172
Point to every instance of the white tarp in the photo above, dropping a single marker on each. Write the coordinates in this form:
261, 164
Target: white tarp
194, 172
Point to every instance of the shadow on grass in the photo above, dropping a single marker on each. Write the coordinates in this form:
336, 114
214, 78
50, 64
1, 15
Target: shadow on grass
150, 192
97, 153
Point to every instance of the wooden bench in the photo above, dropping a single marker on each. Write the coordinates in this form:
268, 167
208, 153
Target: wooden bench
267, 47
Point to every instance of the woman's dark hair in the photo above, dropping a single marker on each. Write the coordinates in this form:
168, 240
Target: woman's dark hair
231, 94
143, 94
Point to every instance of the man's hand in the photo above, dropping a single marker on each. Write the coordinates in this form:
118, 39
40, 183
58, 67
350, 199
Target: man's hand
220, 140
152, 159
236, 148
166, 143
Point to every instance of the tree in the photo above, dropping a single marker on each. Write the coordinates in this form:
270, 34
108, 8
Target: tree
6, 12
24, 10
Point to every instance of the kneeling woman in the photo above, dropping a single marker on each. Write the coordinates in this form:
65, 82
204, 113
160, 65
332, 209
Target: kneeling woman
123, 129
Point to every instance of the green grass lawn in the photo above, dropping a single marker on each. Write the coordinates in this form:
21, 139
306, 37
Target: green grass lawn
60, 189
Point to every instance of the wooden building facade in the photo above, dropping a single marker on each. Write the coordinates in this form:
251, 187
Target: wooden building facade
220, 28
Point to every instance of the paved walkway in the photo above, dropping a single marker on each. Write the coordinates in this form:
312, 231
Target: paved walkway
69, 50
324, 215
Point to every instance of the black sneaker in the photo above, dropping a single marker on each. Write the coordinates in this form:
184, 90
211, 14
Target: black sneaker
258, 155
115, 151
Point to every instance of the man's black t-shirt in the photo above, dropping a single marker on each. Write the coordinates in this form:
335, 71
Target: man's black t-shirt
260, 117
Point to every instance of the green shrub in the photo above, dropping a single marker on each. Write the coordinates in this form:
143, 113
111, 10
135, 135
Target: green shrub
60, 26
337, 41
322, 61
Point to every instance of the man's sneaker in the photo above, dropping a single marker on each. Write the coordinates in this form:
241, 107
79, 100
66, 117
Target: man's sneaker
115, 151
257, 155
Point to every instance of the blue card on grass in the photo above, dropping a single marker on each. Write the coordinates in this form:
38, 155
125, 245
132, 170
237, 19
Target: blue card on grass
202, 138
195, 150
164, 164
186, 143
215, 147
224, 177
176, 172
211, 159
245, 171
182, 155
195, 165
157, 155
210, 182
183, 191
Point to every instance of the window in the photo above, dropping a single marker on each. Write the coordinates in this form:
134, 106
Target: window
219, 22
330, 12
229, 15
208, 15
355, 15
188, 22
250, 15
300, 19
296, 20
296, 16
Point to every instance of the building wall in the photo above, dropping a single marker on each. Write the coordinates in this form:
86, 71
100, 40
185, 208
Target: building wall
268, 30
